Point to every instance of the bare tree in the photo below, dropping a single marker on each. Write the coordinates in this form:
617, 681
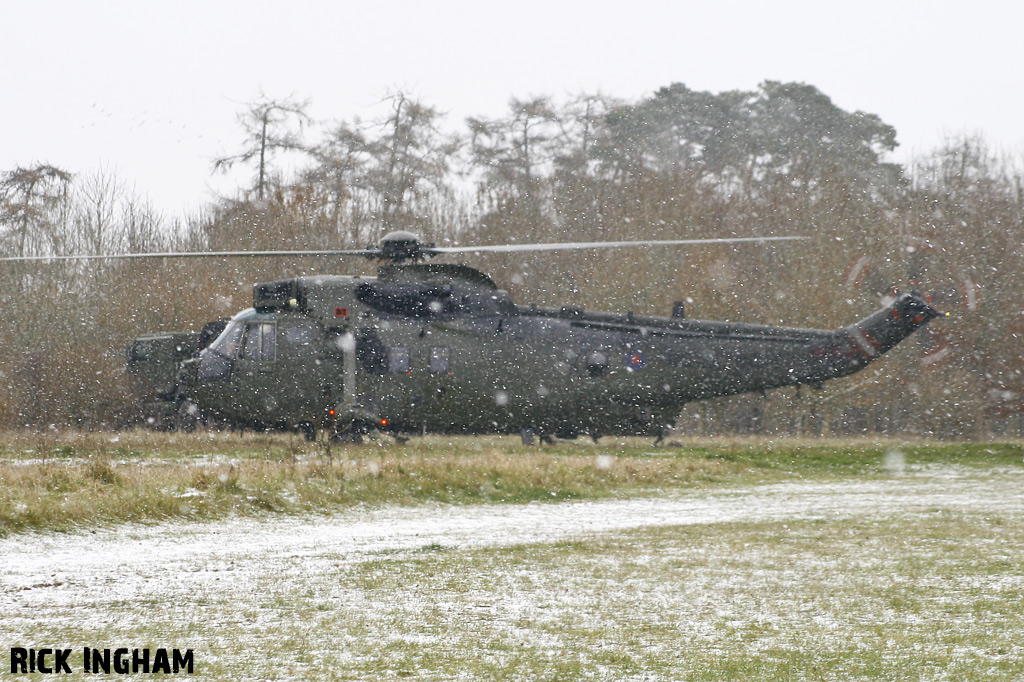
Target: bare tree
387, 172
270, 125
513, 150
28, 198
336, 177
580, 124
411, 155
96, 221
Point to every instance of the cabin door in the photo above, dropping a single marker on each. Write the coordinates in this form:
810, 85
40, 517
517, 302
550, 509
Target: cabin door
256, 393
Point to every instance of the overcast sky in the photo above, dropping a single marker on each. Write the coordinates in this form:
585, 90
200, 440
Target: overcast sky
150, 91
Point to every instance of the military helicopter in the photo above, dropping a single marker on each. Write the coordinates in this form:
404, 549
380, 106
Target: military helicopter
438, 347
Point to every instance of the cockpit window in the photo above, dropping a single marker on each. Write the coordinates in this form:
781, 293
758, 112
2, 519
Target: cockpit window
215, 360
227, 343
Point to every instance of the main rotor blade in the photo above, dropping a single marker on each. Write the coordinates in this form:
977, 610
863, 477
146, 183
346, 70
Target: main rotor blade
432, 250
569, 246
196, 254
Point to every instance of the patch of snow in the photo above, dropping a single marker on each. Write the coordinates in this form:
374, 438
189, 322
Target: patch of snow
172, 554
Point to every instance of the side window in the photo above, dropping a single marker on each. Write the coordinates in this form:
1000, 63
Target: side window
439, 361
260, 342
370, 351
296, 339
251, 347
268, 346
398, 359
299, 335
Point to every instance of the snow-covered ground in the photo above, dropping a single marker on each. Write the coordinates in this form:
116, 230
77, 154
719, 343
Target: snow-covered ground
398, 592
172, 562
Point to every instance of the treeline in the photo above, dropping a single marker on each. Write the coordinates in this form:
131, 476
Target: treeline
781, 160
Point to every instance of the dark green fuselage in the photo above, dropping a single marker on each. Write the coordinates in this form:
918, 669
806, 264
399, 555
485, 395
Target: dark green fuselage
438, 348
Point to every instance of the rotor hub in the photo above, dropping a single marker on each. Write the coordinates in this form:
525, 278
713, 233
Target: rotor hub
401, 246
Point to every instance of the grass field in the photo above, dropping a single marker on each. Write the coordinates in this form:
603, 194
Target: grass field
59, 481
796, 600
733, 560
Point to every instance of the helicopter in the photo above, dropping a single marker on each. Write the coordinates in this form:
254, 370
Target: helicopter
427, 347
430, 347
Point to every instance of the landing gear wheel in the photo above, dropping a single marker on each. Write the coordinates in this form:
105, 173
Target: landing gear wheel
352, 432
188, 417
308, 431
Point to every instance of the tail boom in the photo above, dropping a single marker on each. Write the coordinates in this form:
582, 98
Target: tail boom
851, 349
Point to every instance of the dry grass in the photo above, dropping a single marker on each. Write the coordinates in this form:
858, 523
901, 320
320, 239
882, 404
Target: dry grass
62, 480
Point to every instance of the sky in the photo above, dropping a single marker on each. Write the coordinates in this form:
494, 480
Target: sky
150, 91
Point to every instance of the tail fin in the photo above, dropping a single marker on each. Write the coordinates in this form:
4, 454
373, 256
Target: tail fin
851, 349
884, 329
